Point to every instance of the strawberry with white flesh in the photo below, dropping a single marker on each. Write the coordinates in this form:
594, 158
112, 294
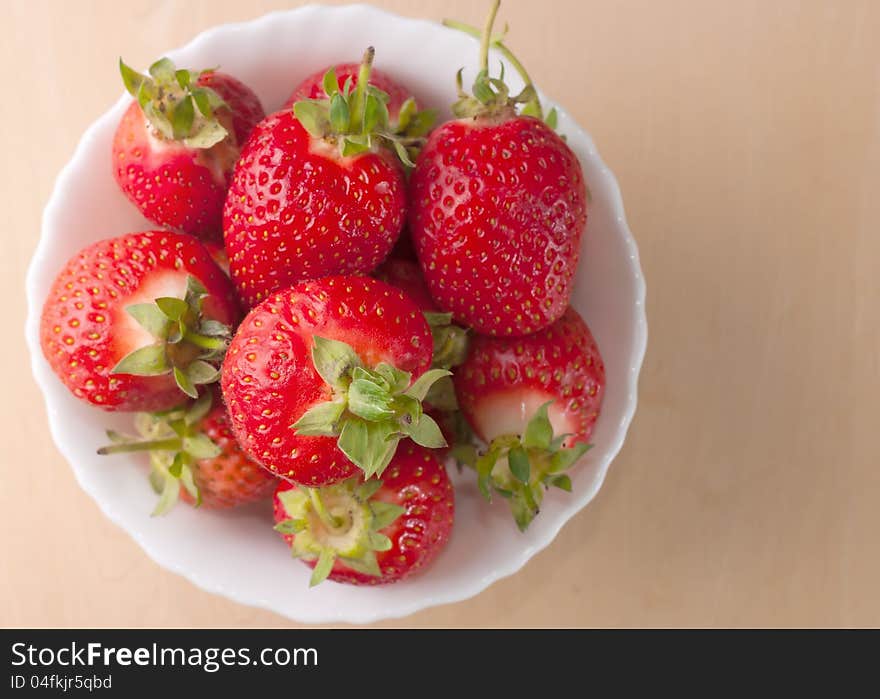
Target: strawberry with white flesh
534, 401
324, 379
319, 190
177, 144
374, 532
138, 322
498, 205
195, 457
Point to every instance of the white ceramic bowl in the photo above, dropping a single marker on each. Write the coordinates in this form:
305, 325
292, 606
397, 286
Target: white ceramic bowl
237, 554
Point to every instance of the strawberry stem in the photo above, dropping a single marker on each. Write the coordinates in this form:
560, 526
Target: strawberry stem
486, 38
172, 444
205, 342
360, 91
494, 43
502, 49
329, 520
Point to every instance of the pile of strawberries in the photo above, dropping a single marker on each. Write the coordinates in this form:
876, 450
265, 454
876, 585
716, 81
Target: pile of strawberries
341, 298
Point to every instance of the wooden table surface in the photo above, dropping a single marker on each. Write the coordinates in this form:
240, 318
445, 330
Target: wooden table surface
746, 138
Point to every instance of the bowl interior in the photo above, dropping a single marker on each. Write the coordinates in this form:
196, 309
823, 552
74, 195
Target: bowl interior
237, 554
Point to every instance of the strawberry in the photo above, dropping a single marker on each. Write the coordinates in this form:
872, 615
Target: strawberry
373, 532
312, 88
195, 457
176, 145
327, 377
297, 211
517, 394
497, 208
317, 191
139, 321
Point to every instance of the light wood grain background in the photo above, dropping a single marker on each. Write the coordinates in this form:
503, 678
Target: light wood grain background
746, 138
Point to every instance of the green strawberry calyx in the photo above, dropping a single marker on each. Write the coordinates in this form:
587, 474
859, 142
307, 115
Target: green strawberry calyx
491, 96
175, 104
371, 409
187, 344
338, 522
175, 442
356, 117
520, 468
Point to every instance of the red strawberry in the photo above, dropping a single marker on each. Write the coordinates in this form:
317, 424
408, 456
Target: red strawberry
326, 377
373, 532
137, 322
517, 394
195, 457
298, 212
176, 145
312, 88
497, 208
315, 192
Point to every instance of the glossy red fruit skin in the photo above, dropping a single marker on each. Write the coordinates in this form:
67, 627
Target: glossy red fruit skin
297, 211
417, 481
176, 186
83, 331
407, 276
497, 210
232, 478
313, 86
562, 361
269, 380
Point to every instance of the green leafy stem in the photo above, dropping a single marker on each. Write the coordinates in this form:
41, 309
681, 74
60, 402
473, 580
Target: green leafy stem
488, 91
175, 104
187, 345
520, 468
357, 116
338, 522
175, 442
372, 409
